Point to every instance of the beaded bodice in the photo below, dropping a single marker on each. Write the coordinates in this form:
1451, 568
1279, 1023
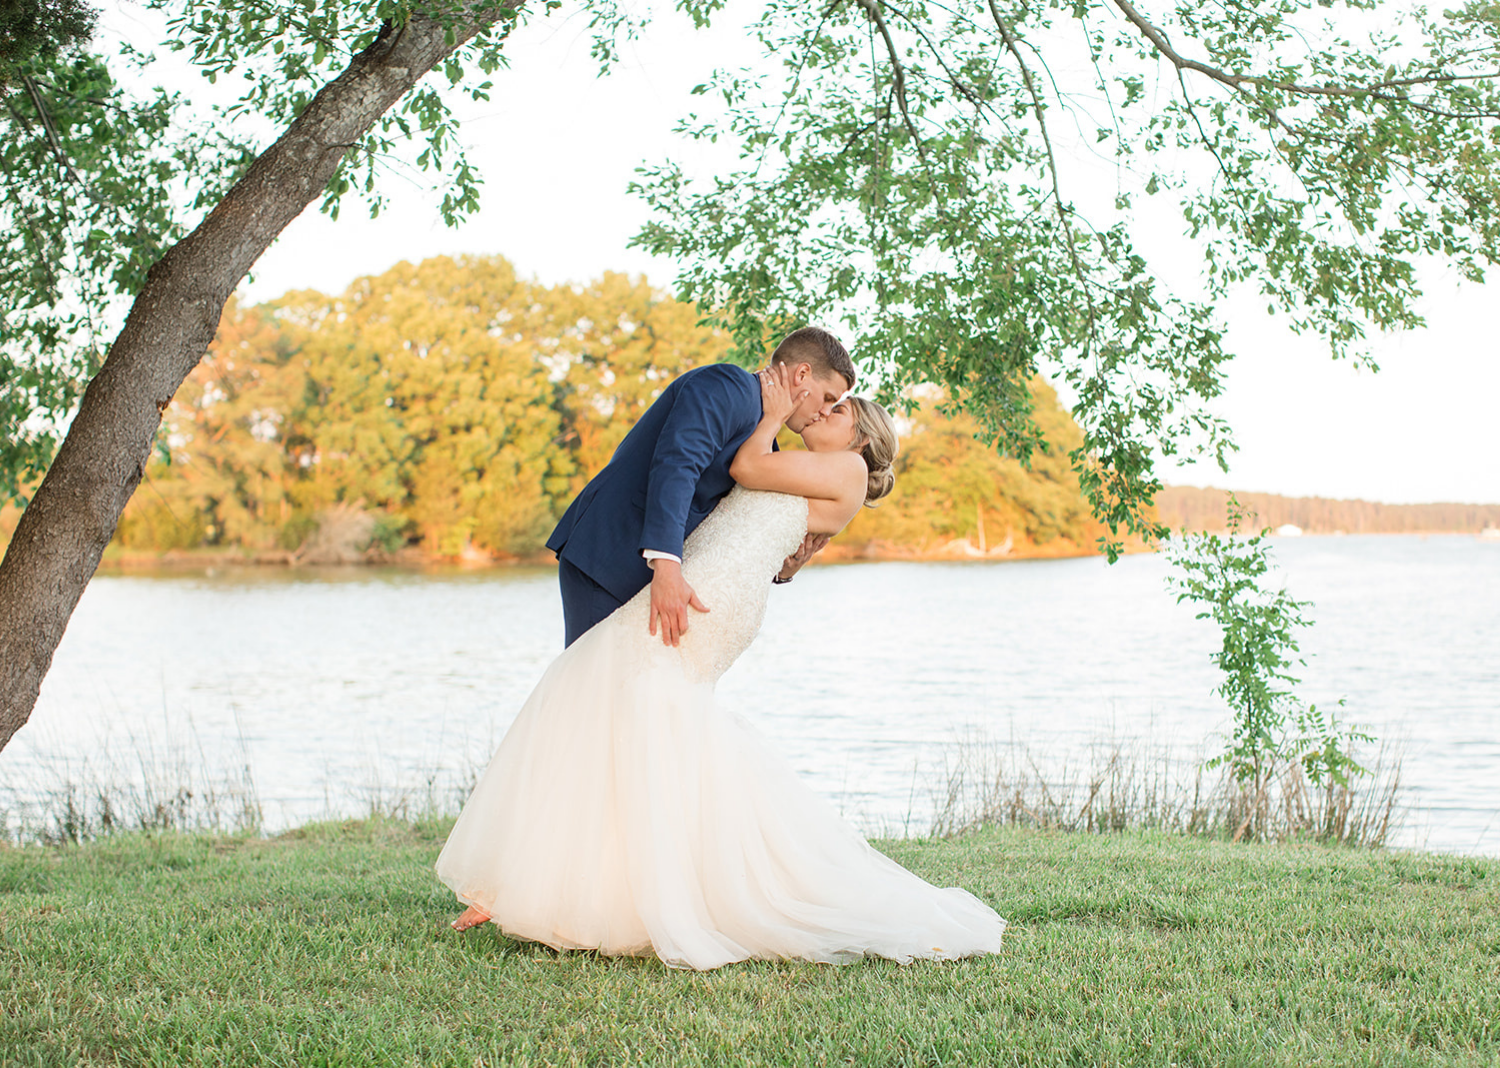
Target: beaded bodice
729, 562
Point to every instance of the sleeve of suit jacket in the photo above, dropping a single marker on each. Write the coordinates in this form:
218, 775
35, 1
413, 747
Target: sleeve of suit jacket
708, 413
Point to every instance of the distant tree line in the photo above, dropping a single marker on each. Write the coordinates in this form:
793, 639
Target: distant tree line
451, 408
1195, 509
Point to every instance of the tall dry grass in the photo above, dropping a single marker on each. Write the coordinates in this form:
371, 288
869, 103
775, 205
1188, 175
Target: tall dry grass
981, 781
168, 781
153, 790
1120, 786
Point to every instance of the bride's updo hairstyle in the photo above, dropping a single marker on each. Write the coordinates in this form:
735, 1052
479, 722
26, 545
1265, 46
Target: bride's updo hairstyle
874, 426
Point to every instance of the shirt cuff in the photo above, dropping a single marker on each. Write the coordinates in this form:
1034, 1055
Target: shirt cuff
652, 556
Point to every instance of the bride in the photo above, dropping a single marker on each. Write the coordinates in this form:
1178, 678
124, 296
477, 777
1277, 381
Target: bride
626, 812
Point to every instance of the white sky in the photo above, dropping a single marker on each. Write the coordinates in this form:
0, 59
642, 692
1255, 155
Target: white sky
557, 148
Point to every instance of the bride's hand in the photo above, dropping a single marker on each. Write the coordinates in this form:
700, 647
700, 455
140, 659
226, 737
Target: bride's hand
776, 398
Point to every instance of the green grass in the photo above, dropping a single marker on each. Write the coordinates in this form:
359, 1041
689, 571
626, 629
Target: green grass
330, 945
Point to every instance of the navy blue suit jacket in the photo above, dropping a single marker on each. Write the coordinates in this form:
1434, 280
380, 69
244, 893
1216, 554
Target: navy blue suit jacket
665, 477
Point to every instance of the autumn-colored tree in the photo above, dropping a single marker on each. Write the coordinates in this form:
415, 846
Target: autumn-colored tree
417, 396
951, 483
617, 343
1190, 508
217, 475
449, 399
455, 344
454, 404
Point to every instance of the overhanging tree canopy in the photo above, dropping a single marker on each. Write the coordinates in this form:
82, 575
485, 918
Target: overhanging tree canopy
912, 170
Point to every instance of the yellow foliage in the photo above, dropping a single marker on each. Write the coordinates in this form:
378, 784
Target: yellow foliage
950, 484
459, 404
622, 343
462, 408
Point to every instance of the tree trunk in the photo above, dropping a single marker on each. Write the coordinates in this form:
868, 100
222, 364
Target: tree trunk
64, 531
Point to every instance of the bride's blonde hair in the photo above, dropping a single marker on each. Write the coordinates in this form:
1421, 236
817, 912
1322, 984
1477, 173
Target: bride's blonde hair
874, 427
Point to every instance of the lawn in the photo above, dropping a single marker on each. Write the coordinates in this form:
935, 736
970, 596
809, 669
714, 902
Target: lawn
330, 945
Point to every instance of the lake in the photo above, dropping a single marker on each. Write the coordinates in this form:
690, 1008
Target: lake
340, 689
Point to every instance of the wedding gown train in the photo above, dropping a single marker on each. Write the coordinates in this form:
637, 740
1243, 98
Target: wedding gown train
626, 812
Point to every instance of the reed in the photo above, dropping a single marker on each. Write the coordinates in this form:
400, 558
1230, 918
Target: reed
981, 781
1120, 786
143, 783
170, 795
440, 793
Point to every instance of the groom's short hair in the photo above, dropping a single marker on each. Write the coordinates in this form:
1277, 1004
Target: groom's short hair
819, 349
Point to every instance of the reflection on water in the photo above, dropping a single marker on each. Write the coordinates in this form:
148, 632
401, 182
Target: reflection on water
345, 686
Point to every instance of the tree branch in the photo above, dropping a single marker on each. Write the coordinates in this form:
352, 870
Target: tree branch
796, 83
959, 85
96, 101
1062, 213
51, 132
38, 238
1378, 90
872, 7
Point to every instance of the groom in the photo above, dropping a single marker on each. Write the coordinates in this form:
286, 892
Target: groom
627, 527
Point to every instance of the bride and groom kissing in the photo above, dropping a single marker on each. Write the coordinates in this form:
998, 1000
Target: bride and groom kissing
625, 811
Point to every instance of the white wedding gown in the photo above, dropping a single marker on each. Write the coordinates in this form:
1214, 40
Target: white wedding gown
626, 812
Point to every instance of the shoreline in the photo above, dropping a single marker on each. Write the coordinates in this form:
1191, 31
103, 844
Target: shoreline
960, 550
874, 552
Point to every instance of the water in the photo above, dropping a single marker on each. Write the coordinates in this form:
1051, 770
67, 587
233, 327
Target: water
343, 688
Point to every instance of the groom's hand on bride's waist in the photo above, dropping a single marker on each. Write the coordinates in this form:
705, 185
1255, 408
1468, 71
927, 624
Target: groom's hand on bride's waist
671, 597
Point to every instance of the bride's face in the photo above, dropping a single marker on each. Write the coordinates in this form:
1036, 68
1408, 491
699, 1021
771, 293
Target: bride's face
833, 432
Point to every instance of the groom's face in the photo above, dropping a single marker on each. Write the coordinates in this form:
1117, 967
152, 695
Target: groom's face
824, 392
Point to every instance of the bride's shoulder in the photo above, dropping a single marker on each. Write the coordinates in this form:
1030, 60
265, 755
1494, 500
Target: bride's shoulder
845, 465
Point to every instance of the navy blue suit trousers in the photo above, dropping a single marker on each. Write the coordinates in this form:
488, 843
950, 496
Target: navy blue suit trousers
585, 602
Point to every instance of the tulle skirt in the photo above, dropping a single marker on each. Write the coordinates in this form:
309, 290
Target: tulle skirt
626, 812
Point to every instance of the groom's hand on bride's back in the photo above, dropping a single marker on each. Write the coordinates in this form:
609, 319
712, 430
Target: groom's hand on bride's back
811, 545
671, 597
